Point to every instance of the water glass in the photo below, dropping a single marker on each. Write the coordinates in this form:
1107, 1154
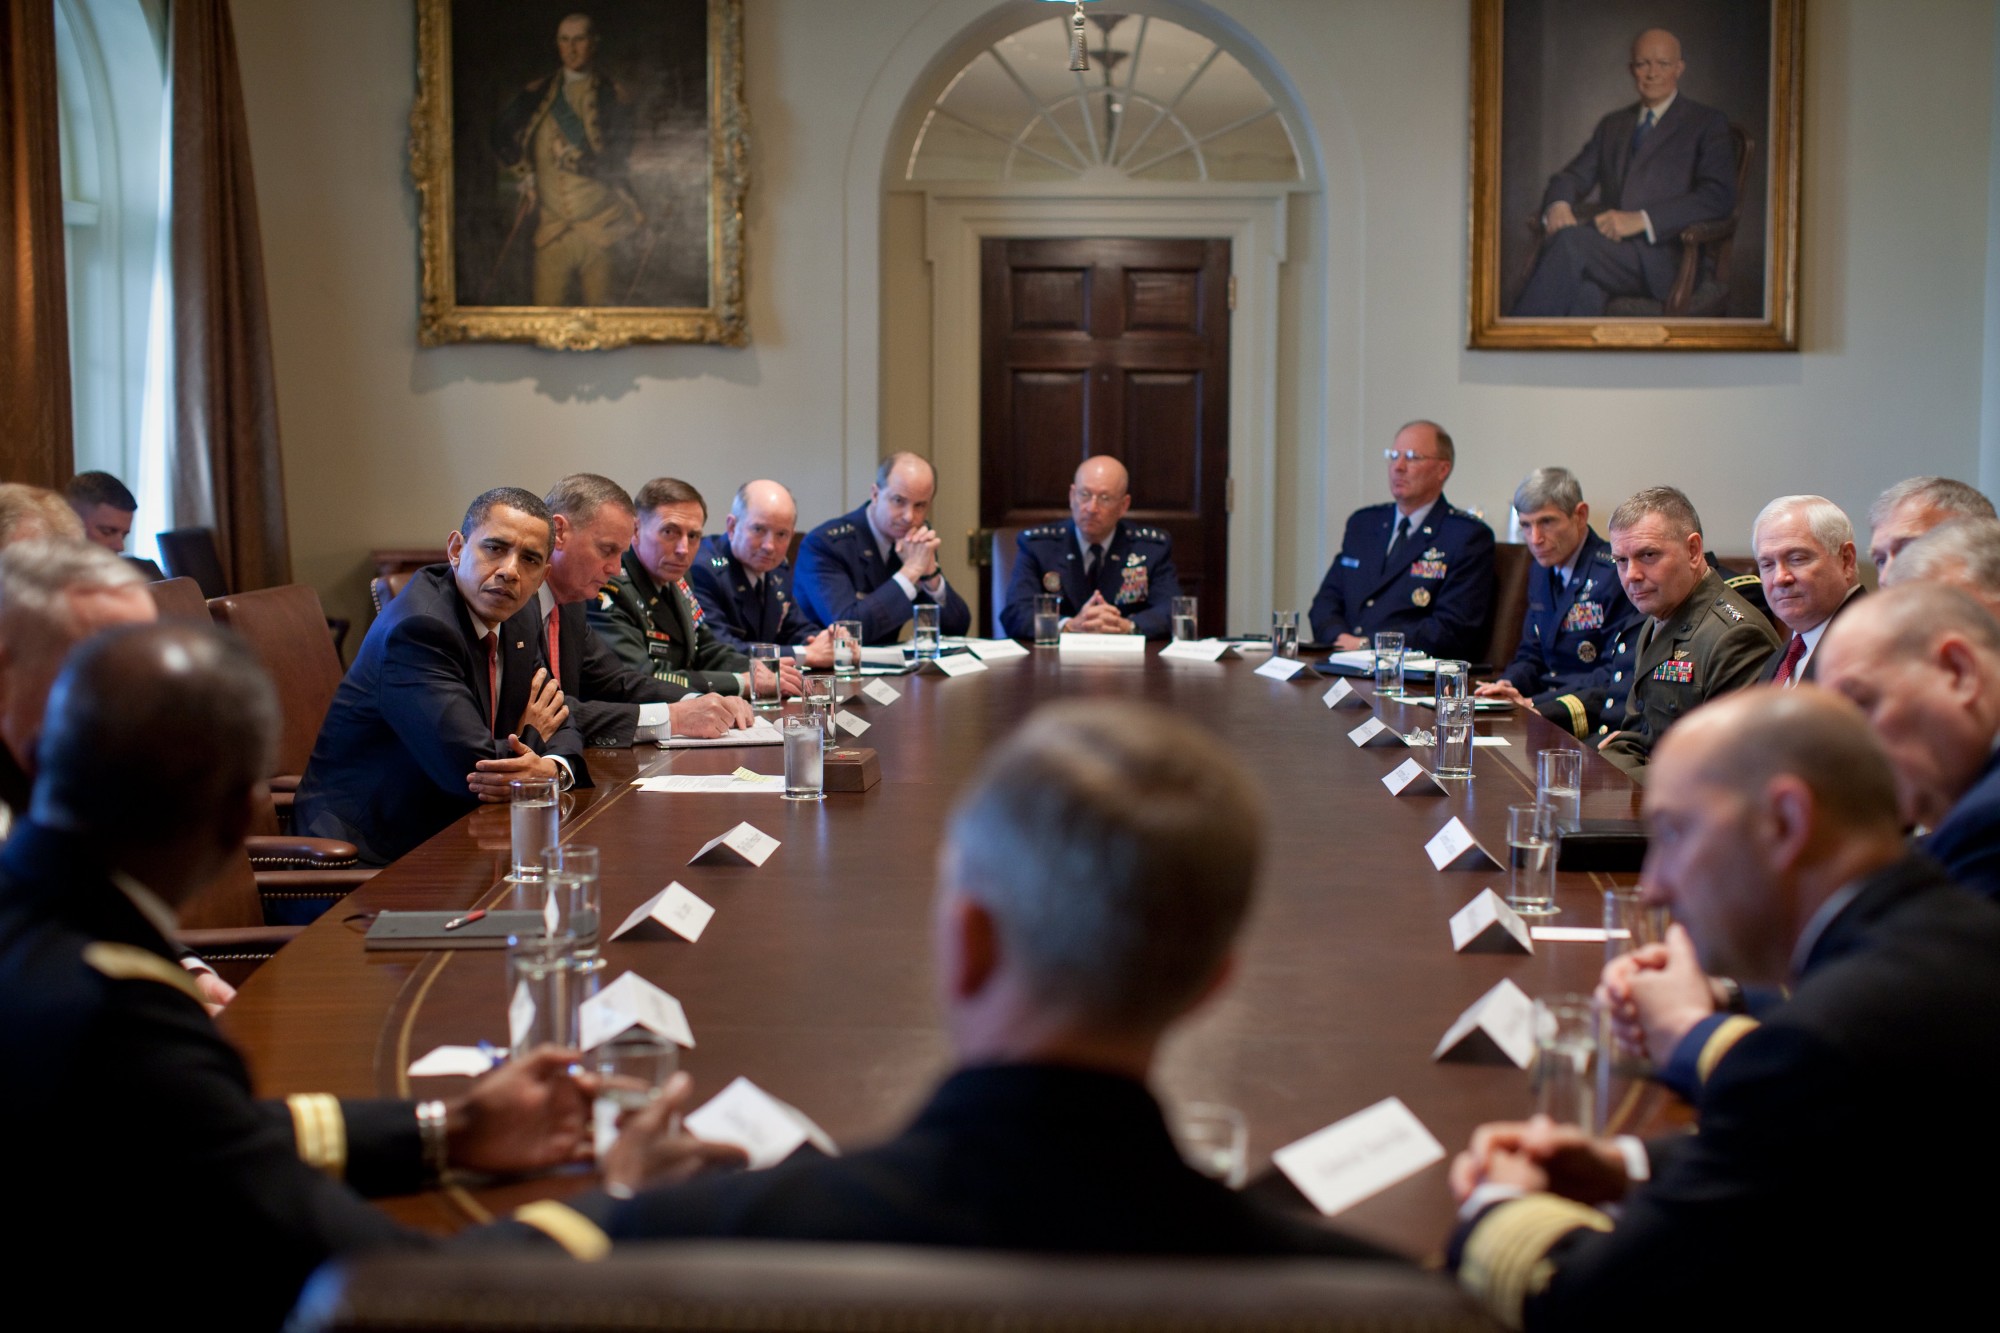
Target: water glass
537, 824
1531, 861
1186, 615
821, 705
1565, 1050
1214, 1140
1388, 662
805, 758
633, 1069
1630, 922
573, 885
1048, 620
926, 637
1559, 785
846, 648
543, 992
1284, 634
766, 689
1450, 679
1454, 738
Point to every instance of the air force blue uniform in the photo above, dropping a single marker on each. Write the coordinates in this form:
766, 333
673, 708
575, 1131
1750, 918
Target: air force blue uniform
842, 576
1438, 591
1135, 575
1574, 662
739, 614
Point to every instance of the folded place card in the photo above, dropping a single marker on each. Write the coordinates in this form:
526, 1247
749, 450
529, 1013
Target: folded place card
1454, 848
1288, 668
673, 909
1498, 1028
1195, 650
1488, 925
1578, 934
755, 1121
627, 1003
957, 664
850, 724
1376, 732
1411, 778
1342, 695
880, 692
1353, 1159
742, 845
994, 650
1100, 645
456, 1061
1490, 742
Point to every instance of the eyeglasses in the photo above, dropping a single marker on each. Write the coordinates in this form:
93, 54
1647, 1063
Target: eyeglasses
1411, 456
1094, 499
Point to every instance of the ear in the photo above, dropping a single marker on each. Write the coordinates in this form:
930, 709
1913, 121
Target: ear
1961, 665
1792, 814
558, 530
729, 525
1583, 511
453, 545
1849, 560
971, 945
1694, 549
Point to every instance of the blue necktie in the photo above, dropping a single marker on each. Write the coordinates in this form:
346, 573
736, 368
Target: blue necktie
1639, 130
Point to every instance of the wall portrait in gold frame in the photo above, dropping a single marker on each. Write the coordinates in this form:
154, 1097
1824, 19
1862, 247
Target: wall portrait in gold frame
581, 166
1635, 174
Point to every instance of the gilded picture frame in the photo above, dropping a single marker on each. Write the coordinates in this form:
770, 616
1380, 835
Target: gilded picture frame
581, 169
1559, 91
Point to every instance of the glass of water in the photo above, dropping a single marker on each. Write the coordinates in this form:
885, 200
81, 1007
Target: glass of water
1214, 1140
805, 758
1565, 1050
1450, 679
633, 1069
1388, 662
542, 992
1048, 620
1531, 861
1186, 614
573, 884
1454, 738
1284, 634
1559, 785
820, 705
926, 638
537, 824
846, 649
766, 690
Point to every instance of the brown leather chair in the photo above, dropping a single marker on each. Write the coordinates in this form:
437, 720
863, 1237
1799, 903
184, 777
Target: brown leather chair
1005, 548
1510, 603
180, 599
382, 589
224, 924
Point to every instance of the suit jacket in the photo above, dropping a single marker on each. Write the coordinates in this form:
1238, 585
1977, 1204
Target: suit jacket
1571, 641
1967, 840
1013, 1157
664, 633
1439, 593
1136, 575
1809, 1197
1683, 173
842, 577
736, 614
1770, 671
409, 721
603, 693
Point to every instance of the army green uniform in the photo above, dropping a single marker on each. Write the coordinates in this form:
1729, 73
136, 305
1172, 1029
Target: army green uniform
660, 631
1716, 642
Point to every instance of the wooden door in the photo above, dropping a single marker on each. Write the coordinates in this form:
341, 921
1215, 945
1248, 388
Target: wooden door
1114, 347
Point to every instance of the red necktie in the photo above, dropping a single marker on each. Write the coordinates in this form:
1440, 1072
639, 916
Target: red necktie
1789, 663
493, 681
555, 647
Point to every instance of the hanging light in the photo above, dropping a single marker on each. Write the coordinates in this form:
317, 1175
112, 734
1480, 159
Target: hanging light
1079, 55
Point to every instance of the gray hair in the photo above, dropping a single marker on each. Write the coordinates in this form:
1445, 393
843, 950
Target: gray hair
1667, 502
901, 456
29, 513
580, 495
1965, 552
1954, 498
1829, 523
1815, 736
38, 580
1446, 448
513, 497
1117, 847
1914, 616
739, 504
1548, 488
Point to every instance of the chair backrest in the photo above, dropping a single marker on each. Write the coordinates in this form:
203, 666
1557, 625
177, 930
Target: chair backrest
180, 599
286, 628
383, 588
190, 553
232, 901
1510, 602
1005, 548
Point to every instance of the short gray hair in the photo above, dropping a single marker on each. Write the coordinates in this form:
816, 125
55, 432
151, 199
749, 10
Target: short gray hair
1829, 523
739, 504
37, 581
1667, 502
580, 495
30, 513
1116, 846
1548, 488
1444, 444
1941, 493
1964, 551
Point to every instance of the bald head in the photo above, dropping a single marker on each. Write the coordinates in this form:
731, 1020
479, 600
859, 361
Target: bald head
760, 524
1656, 65
1099, 497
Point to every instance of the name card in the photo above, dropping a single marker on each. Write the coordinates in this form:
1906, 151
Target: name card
456, 1061
1377, 733
1342, 695
958, 664
632, 1002
1194, 650
1288, 668
1454, 848
755, 1121
671, 909
1488, 925
742, 845
994, 650
1101, 645
1356, 1158
849, 723
1578, 934
1411, 778
879, 691
716, 783
1490, 742
1499, 1028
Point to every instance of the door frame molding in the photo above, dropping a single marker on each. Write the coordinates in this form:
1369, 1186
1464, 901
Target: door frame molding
1251, 218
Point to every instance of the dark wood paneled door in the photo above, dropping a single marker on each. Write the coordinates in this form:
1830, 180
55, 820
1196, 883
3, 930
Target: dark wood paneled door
1108, 346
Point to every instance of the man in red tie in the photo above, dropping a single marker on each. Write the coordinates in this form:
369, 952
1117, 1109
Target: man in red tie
1807, 563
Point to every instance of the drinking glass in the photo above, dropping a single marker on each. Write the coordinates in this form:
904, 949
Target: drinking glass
1531, 861
573, 883
1284, 634
1454, 732
821, 705
1559, 785
1048, 620
1388, 662
926, 637
1185, 615
1565, 1049
805, 758
537, 824
1214, 1140
542, 992
846, 649
1450, 679
1630, 923
766, 690
633, 1069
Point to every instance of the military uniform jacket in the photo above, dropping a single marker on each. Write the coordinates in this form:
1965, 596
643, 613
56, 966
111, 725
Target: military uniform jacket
1439, 592
602, 692
1836, 1142
1967, 840
661, 631
739, 615
842, 577
1570, 641
1714, 643
1135, 574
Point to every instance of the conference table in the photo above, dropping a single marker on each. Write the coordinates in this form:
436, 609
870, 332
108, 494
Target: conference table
814, 979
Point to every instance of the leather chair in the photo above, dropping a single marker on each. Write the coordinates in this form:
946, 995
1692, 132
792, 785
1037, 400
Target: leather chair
763, 1286
382, 589
190, 553
1511, 562
224, 924
1005, 548
180, 599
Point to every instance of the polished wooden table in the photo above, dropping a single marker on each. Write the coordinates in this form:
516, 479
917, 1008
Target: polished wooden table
814, 978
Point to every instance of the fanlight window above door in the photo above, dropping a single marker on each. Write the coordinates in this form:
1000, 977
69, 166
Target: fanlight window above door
1159, 103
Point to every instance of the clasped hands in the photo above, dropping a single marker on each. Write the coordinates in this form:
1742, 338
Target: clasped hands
918, 552
1617, 223
1098, 617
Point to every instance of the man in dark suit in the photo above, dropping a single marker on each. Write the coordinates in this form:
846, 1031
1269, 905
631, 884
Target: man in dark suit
1807, 563
611, 704
1416, 564
442, 709
874, 564
106, 507
1657, 166
1090, 893
1824, 1129
1579, 626
742, 577
1112, 577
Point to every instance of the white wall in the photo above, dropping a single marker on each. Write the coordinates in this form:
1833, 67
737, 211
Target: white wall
385, 441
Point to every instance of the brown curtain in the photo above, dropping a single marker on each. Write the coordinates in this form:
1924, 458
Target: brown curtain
34, 358
226, 401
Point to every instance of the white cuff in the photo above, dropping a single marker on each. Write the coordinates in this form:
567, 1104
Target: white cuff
903, 582
1647, 218
1638, 1165
567, 778
194, 964
655, 723
1485, 1196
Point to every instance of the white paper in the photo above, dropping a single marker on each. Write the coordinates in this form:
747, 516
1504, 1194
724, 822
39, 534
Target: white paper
714, 783
1488, 910
994, 650
958, 664
1375, 732
1119, 645
889, 655
755, 1121
759, 732
1411, 778
880, 692
743, 843
520, 1016
450, 1061
1194, 650
1486, 742
1507, 1015
1363, 659
1577, 934
1342, 695
1453, 841
629, 1002
674, 908
1352, 1159
849, 723
1283, 668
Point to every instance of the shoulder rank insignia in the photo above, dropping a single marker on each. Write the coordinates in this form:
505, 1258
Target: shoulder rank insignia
1734, 614
1586, 652
1421, 596
840, 530
718, 562
1052, 581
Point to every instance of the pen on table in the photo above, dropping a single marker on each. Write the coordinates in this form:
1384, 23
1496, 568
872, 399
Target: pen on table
465, 920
